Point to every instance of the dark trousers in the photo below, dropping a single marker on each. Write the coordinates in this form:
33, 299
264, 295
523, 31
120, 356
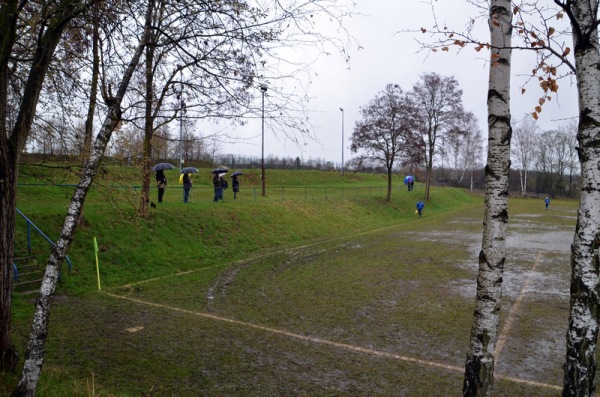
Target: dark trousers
186, 194
161, 192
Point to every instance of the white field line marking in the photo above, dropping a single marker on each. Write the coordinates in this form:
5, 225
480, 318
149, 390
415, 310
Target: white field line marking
321, 341
510, 319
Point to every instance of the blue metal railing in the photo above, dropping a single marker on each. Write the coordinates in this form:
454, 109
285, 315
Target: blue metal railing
30, 224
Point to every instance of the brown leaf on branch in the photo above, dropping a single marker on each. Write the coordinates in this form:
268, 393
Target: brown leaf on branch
541, 101
550, 31
535, 115
538, 109
444, 48
566, 52
523, 91
516, 9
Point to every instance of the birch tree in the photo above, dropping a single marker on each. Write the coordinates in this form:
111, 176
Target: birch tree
479, 367
582, 335
525, 139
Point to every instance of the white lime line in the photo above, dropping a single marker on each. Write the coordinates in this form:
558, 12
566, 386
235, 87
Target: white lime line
321, 341
516, 307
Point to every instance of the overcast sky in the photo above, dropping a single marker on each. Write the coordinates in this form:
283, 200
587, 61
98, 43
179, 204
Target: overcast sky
388, 56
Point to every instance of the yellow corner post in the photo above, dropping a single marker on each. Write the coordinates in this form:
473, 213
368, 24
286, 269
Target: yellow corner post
97, 264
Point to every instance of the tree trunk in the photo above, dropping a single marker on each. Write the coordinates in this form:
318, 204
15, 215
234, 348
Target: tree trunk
148, 133
429, 170
12, 147
582, 334
34, 357
89, 121
479, 367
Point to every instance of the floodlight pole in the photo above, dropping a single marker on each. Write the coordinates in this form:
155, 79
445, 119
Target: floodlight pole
342, 110
181, 129
263, 88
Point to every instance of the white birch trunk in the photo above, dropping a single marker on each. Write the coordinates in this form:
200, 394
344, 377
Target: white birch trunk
479, 367
34, 356
582, 334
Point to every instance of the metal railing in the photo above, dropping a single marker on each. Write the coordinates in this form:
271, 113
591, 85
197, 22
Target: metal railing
31, 225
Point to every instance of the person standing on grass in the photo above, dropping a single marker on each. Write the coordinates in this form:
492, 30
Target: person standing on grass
420, 206
223, 185
187, 186
235, 183
217, 187
547, 201
161, 183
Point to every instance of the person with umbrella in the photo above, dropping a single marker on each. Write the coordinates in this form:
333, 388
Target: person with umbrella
161, 183
235, 183
161, 179
218, 183
187, 186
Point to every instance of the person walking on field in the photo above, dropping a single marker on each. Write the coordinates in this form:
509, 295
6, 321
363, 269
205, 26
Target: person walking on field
235, 183
161, 182
420, 206
187, 186
547, 201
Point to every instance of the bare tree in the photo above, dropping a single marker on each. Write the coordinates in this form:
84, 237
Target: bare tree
569, 130
464, 147
439, 101
525, 140
384, 134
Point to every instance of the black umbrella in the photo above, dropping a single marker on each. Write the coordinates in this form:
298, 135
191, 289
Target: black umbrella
236, 173
189, 170
162, 166
219, 170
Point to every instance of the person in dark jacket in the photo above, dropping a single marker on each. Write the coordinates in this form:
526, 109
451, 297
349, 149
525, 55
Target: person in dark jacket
235, 183
161, 183
224, 185
187, 186
547, 201
217, 186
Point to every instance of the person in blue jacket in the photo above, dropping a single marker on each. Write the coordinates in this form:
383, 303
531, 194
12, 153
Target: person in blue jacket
420, 206
547, 201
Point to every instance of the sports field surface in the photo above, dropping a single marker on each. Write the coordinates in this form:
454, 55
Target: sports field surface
385, 312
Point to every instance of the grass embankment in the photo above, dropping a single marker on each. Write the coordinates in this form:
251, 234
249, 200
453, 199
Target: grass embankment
215, 241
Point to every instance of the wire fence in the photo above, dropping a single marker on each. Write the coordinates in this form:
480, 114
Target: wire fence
250, 193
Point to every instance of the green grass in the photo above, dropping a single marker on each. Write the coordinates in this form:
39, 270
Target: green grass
359, 272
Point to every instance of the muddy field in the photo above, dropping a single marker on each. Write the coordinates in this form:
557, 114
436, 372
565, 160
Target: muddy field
382, 313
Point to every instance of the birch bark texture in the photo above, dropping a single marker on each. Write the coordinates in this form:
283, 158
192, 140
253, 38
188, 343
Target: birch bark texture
479, 366
582, 333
